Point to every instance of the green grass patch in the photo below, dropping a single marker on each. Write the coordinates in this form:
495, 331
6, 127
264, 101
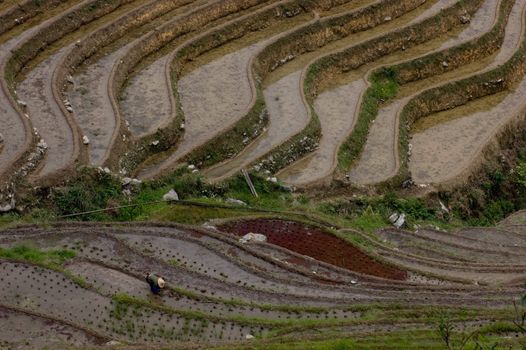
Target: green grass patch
383, 88
35, 255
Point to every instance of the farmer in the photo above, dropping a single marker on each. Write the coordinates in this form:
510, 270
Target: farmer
156, 282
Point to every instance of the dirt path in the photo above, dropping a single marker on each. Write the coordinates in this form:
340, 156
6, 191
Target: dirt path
444, 151
379, 159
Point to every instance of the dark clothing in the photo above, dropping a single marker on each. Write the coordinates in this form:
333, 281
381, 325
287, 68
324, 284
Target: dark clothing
152, 280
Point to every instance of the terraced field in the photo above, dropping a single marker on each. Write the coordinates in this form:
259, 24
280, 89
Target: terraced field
319, 98
221, 291
315, 92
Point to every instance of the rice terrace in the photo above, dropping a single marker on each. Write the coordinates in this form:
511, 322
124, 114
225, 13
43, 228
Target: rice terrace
263, 174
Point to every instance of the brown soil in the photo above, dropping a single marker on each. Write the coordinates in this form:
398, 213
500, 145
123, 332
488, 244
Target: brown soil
315, 243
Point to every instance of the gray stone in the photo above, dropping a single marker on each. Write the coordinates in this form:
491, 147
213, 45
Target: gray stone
253, 237
171, 196
400, 221
235, 201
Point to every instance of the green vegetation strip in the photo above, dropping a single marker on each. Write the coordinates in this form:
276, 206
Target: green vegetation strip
403, 340
281, 327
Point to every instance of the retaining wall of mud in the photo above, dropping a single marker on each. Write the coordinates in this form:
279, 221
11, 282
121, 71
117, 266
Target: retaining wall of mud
28, 50
19, 13
102, 37
352, 58
152, 43
457, 56
305, 39
255, 118
458, 93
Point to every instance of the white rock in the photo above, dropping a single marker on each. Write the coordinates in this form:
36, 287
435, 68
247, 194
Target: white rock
273, 179
70, 80
107, 170
42, 144
400, 221
113, 343
155, 143
171, 196
235, 201
22, 103
253, 237
445, 64
191, 167
388, 18
208, 226
85, 140
69, 109
126, 181
5, 208
181, 126
249, 337
393, 218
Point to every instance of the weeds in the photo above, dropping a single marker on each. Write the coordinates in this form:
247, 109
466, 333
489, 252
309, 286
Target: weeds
32, 254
